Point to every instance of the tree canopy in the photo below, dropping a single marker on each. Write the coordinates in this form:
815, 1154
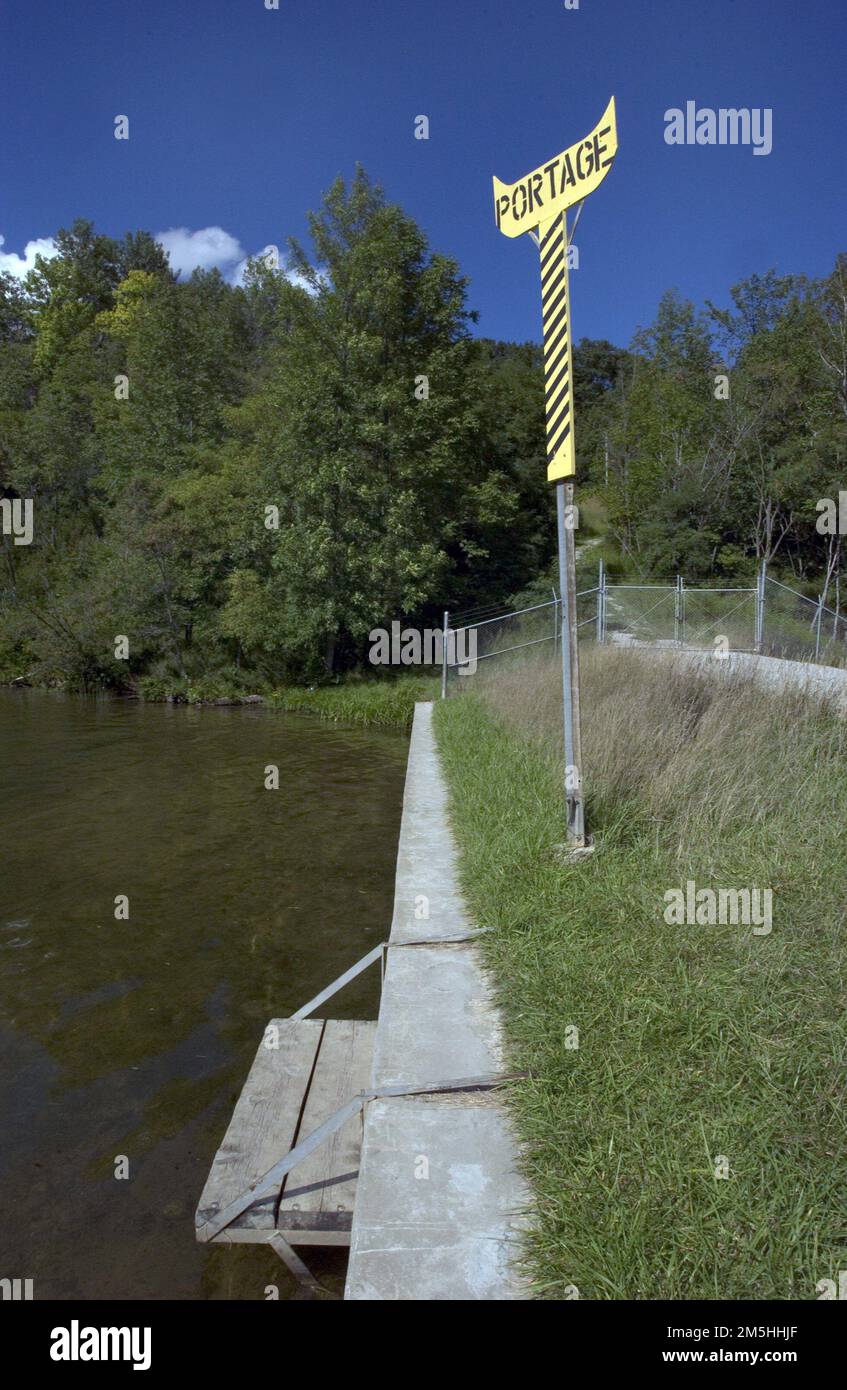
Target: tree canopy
248, 478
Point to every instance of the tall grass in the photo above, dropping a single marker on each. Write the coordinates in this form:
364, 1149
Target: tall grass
696, 1043
375, 703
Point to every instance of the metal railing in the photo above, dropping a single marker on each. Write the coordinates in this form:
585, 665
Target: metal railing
505, 633
770, 619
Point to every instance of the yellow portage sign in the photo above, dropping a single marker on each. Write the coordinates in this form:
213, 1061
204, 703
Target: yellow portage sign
540, 202
559, 183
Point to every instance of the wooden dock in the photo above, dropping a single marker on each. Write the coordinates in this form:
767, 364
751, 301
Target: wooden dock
304, 1071
287, 1172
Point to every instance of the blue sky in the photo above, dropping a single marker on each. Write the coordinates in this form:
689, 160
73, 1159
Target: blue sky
241, 117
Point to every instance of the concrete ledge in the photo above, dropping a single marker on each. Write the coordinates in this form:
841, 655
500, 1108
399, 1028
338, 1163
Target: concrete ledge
777, 673
426, 857
436, 1019
438, 1237
439, 1202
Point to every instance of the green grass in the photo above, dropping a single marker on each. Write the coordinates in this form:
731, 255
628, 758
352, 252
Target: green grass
695, 1042
383, 702
378, 703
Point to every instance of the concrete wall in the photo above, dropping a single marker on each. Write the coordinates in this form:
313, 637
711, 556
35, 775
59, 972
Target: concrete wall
439, 1200
774, 672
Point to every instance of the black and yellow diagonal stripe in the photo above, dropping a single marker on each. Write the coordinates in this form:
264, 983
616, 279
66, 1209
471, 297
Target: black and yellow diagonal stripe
556, 313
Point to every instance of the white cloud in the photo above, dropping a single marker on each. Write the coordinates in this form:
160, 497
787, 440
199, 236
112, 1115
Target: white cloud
237, 275
187, 251
19, 266
295, 279
212, 246
201, 250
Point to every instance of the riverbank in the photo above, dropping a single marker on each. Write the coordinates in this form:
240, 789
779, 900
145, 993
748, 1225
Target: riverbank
664, 1056
387, 703
374, 704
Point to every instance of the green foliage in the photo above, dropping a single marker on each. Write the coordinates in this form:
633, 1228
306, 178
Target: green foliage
693, 1041
255, 477
386, 703
722, 431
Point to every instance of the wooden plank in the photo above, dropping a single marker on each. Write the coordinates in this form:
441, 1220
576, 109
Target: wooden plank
265, 1122
318, 1195
238, 1235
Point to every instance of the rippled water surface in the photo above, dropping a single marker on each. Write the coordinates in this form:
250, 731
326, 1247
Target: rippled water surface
134, 1037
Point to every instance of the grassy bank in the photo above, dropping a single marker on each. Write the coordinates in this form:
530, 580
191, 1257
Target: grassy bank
383, 703
387, 703
696, 1043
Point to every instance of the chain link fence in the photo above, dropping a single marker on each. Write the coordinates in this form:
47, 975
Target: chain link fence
473, 640
772, 619
643, 611
727, 616
801, 628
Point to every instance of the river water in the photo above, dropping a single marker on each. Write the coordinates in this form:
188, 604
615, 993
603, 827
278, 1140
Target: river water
134, 1037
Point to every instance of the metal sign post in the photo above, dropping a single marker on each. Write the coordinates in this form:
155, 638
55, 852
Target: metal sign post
538, 204
575, 827
552, 240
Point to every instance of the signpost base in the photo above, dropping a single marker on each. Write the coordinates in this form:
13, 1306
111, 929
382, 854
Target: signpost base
572, 854
575, 817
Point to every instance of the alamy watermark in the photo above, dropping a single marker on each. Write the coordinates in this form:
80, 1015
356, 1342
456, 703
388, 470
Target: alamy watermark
409, 646
832, 520
709, 907
17, 518
827, 1289
82, 1343
728, 125
16, 1290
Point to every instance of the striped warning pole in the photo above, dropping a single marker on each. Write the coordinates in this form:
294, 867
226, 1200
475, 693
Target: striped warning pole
555, 315
561, 467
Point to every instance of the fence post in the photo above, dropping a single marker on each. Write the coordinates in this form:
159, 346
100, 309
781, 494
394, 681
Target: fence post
555, 623
677, 610
682, 605
761, 582
757, 612
601, 587
444, 633
818, 618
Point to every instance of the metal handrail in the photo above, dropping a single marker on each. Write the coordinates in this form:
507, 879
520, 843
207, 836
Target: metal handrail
501, 651
500, 617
